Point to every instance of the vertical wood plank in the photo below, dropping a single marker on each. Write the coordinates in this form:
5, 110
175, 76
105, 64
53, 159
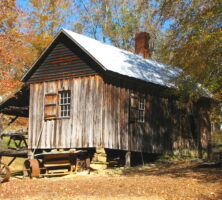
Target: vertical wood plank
100, 110
31, 117
74, 113
36, 114
97, 106
84, 111
89, 112
118, 118
104, 118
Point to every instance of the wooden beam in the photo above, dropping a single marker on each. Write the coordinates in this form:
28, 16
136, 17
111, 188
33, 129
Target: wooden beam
14, 153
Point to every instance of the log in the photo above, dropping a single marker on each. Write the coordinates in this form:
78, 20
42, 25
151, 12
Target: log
15, 133
14, 153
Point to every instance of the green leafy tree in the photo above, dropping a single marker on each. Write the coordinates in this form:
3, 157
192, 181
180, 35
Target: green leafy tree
116, 21
193, 41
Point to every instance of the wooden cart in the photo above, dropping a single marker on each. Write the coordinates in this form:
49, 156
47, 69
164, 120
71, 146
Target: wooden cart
56, 163
44, 164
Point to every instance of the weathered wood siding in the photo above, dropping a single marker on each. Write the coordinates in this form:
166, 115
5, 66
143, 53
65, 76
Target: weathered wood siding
115, 116
82, 129
100, 118
169, 125
120, 133
62, 61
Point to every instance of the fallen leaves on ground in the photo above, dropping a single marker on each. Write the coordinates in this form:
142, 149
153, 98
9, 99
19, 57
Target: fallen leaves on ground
154, 182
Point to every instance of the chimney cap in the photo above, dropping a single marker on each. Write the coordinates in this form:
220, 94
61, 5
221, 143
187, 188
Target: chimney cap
142, 34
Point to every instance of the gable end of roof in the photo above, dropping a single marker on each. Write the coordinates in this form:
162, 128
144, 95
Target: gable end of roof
34, 67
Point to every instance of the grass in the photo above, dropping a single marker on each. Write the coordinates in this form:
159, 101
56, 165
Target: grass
5, 141
168, 158
16, 166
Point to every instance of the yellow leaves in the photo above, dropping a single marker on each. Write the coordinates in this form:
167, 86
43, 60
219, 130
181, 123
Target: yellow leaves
39, 42
210, 13
44, 18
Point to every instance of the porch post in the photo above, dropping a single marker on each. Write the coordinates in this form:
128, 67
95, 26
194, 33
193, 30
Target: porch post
128, 159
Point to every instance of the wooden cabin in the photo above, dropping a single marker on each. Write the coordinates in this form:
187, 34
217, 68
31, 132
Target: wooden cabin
87, 94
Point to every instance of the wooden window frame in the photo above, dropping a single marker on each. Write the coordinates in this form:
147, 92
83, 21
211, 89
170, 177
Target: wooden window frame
141, 110
64, 102
137, 108
54, 104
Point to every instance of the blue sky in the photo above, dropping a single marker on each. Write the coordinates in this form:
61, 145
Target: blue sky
24, 5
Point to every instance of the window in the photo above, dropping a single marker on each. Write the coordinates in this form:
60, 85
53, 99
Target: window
137, 108
64, 103
141, 110
57, 105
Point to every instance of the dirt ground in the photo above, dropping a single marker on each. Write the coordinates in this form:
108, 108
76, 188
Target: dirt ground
181, 180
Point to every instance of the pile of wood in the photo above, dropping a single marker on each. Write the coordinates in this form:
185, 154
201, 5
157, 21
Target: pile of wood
99, 161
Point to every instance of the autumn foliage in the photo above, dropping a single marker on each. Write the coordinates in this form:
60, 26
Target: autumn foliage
193, 41
14, 54
186, 34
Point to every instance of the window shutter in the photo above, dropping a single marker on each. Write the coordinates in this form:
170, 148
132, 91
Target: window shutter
134, 101
51, 106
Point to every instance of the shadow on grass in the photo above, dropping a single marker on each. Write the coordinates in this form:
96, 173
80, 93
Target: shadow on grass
17, 173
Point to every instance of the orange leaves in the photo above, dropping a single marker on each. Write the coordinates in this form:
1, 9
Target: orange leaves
15, 54
7, 83
25, 34
10, 36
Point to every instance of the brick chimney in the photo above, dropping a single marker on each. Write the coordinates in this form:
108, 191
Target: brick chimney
142, 44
